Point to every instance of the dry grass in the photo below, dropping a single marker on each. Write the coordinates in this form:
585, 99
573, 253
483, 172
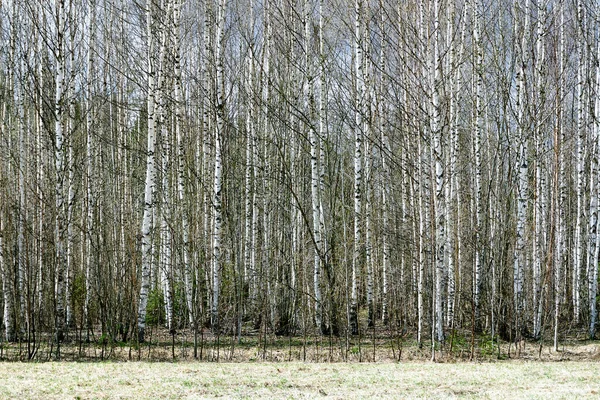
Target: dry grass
135, 380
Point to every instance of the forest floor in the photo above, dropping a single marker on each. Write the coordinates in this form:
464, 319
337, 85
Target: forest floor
296, 380
328, 350
256, 347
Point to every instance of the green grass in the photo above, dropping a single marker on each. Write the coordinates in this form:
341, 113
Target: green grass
134, 380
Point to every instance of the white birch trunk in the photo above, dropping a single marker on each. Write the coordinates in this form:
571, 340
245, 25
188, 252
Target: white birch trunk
147, 219
165, 216
321, 140
217, 200
523, 187
368, 163
385, 175
165, 252
368, 223
41, 166
453, 229
89, 161
309, 105
268, 270
7, 291
577, 260
59, 158
206, 141
22, 204
421, 236
561, 200
249, 168
358, 172
181, 181
439, 200
478, 127
541, 203
450, 159
594, 198
71, 170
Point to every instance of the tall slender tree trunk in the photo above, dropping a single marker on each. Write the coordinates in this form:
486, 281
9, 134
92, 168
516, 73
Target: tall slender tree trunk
70, 273
218, 176
439, 199
453, 228
166, 203
249, 257
422, 176
207, 124
523, 186
165, 218
59, 161
41, 166
477, 139
89, 162
314, 161
358, 171
594, 247
450, 159
541, 202
147, 219
8, 279
7, 291
181, 176
22, 217
368, 168
322, 137
385, 173
577, 260
561, 200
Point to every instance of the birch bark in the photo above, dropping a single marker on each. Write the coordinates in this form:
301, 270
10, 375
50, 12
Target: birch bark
358, 171
523, 189
7, 291
150, 182
478, 160
89, 162
59, 160
309, 105
594, 238
218, 176
561, 238
577, 260
541, 203
439, 199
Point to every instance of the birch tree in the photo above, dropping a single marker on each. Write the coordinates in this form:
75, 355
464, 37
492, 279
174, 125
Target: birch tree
577, 259
594, 237
477, 139
561, 198
59, 159
7, 292
150, 178
219, 135
523, 187
439, 200
358, 171
89, 161
314, 161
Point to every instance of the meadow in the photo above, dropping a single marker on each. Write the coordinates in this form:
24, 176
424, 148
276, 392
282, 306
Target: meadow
297, 380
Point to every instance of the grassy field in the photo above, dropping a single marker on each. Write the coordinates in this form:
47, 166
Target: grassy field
135, 380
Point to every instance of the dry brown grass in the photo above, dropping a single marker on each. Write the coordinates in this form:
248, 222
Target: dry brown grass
136, 380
